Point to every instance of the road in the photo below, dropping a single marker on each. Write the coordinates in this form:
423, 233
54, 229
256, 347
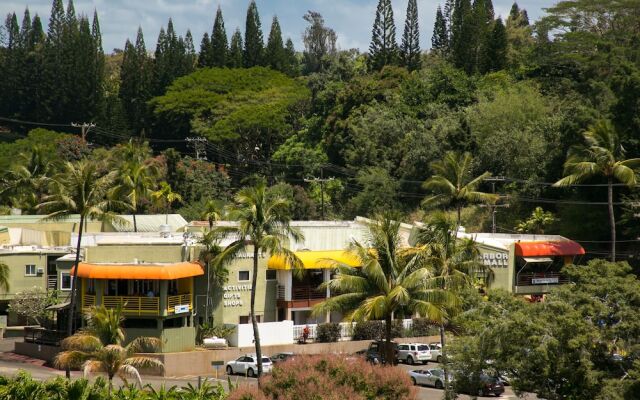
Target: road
11, 364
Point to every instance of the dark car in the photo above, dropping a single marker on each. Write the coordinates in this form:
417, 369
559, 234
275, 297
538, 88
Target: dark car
490, 385
281, 357
376, 352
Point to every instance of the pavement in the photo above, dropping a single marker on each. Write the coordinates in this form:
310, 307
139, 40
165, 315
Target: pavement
11, 364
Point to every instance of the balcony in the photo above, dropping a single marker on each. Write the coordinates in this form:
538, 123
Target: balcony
541, 278
307, 293
141, 305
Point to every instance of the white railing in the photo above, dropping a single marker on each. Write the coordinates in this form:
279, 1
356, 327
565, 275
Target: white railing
346, 329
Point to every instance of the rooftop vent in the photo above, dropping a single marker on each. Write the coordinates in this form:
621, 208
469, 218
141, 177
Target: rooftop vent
165, 231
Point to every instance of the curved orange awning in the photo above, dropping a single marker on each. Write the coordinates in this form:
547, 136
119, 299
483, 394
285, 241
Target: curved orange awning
139, 271
559, 248
315, 259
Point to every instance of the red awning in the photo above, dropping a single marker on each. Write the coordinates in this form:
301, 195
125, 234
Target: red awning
539, 249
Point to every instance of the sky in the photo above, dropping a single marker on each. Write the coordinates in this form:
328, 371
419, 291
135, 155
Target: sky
351, 19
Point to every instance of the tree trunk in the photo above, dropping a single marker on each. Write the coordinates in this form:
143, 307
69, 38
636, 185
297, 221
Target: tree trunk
206, 307
74, 285
254, 322
135, 223
389, 356
612, 219
74, 279
458, 218
444, 363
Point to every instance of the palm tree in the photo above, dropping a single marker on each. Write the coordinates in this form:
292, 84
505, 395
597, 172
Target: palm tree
217, 273
165, 197
454, 185
214, 211
98, 348
389, 279
79, 189
4, 276
24, 182
263, 226
454, 261
602, 154
135, 183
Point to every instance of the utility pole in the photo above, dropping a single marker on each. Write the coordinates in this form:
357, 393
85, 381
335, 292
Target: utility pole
84, 128
198, 144
322, 180
494, 207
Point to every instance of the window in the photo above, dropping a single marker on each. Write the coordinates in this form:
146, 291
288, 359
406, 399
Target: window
243, 275
30, 270
271, 275
65, 281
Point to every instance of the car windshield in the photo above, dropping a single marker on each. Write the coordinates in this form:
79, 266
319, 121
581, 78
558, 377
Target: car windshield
423, 347
266, 360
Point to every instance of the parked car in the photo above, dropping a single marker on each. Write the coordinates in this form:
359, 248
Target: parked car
376, 354
436, 351
247, 365
490, 385
429, 377
411, 353
280, 357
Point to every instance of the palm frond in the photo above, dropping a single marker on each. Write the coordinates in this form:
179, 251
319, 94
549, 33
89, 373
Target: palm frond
144, 344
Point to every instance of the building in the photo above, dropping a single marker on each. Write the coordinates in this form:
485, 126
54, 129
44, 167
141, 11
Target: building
525, 264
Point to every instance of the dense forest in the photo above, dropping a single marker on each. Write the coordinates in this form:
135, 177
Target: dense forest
343, 132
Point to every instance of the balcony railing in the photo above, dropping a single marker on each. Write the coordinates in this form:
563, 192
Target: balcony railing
141, 305
307, 293
43, 336
541, 278
177, 301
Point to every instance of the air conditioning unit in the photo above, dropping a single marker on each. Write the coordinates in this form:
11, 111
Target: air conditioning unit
40, 271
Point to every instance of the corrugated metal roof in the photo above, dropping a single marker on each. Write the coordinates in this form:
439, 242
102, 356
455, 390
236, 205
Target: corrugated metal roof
150, 223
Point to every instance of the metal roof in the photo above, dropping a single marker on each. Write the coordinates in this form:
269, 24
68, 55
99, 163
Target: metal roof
150, 223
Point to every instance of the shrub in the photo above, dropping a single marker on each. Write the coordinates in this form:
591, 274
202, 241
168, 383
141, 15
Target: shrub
329, 332
246, 393
330, 377
374, 330
423, 327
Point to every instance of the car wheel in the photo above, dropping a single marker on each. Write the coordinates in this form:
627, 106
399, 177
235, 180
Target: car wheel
439, 359
410, 360
229, 370
250, 373
425, 362
413, 380
439, 385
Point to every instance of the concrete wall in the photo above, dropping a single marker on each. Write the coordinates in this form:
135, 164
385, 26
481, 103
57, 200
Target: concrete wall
502, 274
149, 253
39, 351
173, 339
271, 333
199, 362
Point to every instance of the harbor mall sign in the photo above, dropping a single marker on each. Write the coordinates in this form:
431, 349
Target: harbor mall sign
494, 259
232, 296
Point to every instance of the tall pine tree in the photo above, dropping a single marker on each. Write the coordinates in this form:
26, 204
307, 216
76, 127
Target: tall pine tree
219, 43
462, 36
383, 49
190, 58
136, 80
253, 39
497, 48
410, 48
440, 37
98, 64
236, 50
274, 56
292, 66
204, 58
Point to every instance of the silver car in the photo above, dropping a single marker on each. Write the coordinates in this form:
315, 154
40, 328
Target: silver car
247, 365
411, 353
429, 377
436, 351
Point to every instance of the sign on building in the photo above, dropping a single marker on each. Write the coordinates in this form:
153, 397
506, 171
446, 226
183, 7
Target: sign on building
495, 259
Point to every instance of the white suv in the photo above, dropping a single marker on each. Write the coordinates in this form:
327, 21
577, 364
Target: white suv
247, 365
411, 353
436, 351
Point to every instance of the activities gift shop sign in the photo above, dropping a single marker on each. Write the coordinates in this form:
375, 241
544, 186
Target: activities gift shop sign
233, 295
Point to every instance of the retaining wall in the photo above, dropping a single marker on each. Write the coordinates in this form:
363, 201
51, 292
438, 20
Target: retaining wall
199, 362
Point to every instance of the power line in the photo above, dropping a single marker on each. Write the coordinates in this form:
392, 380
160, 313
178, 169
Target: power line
18, 121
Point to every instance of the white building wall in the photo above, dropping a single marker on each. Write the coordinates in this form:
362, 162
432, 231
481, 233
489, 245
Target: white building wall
271, 333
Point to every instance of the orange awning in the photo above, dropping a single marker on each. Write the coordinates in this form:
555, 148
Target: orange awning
558, 248
139, 271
